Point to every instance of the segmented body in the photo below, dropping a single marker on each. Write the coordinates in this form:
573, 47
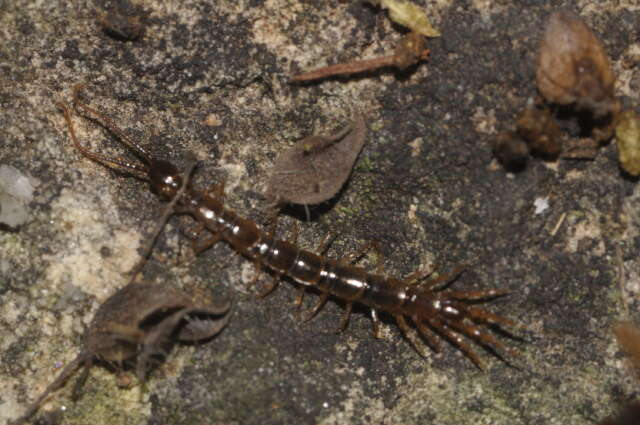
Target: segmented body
446, 312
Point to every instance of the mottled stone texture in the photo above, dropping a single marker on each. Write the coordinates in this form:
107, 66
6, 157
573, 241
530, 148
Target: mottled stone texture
211, 77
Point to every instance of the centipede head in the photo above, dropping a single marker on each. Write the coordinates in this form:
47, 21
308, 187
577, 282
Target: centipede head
165, 179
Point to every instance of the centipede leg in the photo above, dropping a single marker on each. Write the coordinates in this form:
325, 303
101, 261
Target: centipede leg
272, 286
444, 278
258, 270
321, 302
483, 316
417, 276
361, 251
409, 334
477, 295
376, 323
443, 329
427, 334
217, 190
325, 244
475, 333
200, 245
300, 296
346, 314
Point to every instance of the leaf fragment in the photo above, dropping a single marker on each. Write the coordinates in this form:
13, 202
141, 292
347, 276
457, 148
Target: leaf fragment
314, 169
408, 15
628, 142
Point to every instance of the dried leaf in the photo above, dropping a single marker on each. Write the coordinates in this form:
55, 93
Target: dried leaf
573, 67
136, 323
409, 15
315, 169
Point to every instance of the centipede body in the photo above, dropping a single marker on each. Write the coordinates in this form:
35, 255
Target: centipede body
435, 313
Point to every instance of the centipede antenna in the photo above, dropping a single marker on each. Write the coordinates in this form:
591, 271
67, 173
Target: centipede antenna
110, 125
117, 163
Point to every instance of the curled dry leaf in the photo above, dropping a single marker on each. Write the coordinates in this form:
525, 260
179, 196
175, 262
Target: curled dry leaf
572, 66
628, 142
133, 327
314, 170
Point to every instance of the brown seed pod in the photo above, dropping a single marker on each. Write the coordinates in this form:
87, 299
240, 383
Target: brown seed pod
628, 142
133, 327
314, 170
511, 150
572, 66
538, 128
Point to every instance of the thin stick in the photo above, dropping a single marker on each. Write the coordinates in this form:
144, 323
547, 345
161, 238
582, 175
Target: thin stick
169, 210
622, 281
55, 385
355, 67
558, 224
410, 51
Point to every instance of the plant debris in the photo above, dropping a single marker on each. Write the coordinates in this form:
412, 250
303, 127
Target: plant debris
411, 50
511, 150
136, 327
314, 169
628, 142
123, 22
573, 68
408, 15
538, 128
576, 83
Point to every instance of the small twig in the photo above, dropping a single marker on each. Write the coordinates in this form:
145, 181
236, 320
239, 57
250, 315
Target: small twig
410, 51
558, 224
169, 210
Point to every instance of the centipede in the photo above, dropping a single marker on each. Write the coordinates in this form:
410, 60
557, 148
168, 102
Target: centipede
425, 307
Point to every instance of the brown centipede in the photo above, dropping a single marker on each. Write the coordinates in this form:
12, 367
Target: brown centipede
434, 310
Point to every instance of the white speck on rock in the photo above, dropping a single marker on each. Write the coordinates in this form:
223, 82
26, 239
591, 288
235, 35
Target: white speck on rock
16, 191
541, 204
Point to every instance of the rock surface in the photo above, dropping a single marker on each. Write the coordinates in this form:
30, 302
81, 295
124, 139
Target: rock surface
211, 78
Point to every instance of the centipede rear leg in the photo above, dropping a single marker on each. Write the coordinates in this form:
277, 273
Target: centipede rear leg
483, 338
422, 277
442, 328
410, 334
